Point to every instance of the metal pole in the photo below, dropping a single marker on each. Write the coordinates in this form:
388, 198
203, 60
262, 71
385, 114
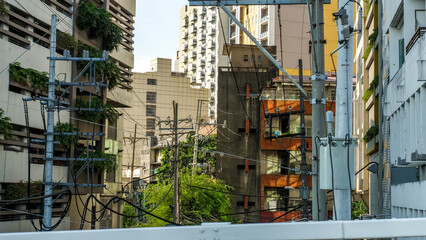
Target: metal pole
319, 197
176, 197
47, 215
381, 116
197, 125
304, 192
261, 48
133, 164
342, 197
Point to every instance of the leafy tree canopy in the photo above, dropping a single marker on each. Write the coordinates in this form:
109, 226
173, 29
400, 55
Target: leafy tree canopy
205, 159
203, 199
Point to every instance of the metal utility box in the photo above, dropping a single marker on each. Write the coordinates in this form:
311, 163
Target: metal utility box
341, 157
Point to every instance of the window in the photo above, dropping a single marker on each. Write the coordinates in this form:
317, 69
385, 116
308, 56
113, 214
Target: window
150, 111
151, 97
150, 133
252, 58
245, 58
151, 81
259, 59
401, 52
150, 124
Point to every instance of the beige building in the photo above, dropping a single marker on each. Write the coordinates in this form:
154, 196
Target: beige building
154, 92
24, 39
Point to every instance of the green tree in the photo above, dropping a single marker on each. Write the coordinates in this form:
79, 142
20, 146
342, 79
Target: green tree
205, 158
203, 199
359, 208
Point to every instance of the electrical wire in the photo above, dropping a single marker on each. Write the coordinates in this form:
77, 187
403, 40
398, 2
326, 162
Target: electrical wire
330, 142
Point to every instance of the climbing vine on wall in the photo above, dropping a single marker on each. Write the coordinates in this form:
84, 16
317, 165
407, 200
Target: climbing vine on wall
98, 24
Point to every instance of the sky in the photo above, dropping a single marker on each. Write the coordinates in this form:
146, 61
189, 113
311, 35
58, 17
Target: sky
156, 31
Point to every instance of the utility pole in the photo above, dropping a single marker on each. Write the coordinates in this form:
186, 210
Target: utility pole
344, 92
319, 196
197, 126
176, 195
133, 164
304, 190
47, 215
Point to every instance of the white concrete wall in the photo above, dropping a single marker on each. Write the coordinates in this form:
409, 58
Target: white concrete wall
409, 200
25, 226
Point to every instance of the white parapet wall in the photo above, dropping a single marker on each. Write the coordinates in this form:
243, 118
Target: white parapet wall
408, 200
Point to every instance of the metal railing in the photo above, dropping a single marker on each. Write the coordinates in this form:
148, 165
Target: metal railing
417, 35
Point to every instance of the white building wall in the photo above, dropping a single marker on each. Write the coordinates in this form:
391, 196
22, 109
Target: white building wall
408, 200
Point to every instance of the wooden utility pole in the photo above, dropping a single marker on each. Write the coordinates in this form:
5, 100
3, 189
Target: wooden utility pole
176, 195
133, 164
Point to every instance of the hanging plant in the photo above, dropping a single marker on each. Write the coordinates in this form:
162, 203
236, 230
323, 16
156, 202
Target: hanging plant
373, 131
29, 76
65, 41
5, 125
3, 9
108, 112
109, 70
66, 140
98, 24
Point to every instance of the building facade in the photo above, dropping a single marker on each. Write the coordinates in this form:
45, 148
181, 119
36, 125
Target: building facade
153, 95
200, 46
404, 74
25, 40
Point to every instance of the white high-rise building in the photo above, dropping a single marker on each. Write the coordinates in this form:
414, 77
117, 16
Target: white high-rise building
201, 47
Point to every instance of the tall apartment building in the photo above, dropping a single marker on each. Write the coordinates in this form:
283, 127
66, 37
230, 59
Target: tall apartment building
25, 39
200, 46
404, 95
153, 94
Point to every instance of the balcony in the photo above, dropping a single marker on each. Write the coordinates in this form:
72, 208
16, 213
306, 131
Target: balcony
184, 35
184, 47
211, 18
192, 42
184, 59
233, 34
264, 19
201, 50
417, 35
264, 35
192, 17
211, 31
191, 67
193, 29
185, 22
202, 37
201, 63
202, 11
192, 55
201, 24
200, 75
211, 45
210, 71
210, 58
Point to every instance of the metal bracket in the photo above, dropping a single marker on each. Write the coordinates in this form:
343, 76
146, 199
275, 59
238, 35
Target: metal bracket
318, 101
318, 77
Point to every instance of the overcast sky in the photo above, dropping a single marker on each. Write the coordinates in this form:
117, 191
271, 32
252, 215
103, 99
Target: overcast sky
156, 31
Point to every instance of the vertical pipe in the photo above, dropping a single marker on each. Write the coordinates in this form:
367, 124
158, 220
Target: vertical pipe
47, 214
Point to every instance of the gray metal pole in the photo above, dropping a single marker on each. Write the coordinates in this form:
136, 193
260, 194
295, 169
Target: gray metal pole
261, 48
176, 197
197, 125
47, 215
319, 197
344, 92
133, 165
381, 116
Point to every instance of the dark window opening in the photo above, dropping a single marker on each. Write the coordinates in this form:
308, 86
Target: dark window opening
150, 124
151, 81
150, 111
